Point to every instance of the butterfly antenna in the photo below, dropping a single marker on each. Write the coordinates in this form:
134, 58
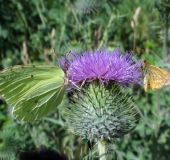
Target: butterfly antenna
68, 53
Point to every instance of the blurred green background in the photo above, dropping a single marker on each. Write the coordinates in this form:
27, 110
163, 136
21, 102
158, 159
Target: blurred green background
29, 29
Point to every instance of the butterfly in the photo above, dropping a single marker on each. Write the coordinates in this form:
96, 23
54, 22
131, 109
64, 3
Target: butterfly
154, 77
33, 91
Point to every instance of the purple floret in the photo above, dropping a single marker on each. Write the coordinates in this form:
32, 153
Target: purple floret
103, 65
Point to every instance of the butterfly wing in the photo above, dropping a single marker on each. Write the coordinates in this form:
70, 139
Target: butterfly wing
156, 78
146, 83
33, 91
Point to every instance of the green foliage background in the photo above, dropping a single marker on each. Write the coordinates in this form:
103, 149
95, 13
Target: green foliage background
29, 30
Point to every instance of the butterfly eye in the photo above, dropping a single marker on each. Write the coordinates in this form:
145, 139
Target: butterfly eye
144, 61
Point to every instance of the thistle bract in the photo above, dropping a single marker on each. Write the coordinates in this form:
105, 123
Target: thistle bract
101, 112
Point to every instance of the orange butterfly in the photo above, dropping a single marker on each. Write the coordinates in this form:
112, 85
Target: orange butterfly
154, 77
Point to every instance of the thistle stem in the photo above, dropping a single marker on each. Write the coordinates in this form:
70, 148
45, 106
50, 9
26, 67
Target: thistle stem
102, 150
165, 42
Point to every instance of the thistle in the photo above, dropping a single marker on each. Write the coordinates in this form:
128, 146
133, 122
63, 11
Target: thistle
8, 147
103, 109
88, 6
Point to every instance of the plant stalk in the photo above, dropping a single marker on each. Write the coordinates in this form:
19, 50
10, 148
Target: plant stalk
103, 149
165, 42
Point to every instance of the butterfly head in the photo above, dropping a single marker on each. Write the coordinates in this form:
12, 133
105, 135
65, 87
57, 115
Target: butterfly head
64, 62
145, 66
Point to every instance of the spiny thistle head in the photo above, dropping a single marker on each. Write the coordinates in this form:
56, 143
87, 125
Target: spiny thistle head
88, 6
103, 109
101, 112
8, 146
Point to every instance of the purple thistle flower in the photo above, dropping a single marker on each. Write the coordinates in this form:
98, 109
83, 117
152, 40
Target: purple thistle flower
102, 111
103, 65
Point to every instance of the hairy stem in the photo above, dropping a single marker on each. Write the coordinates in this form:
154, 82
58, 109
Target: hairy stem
102, 148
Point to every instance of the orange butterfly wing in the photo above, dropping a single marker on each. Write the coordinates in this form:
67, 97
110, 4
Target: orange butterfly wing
156, 78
